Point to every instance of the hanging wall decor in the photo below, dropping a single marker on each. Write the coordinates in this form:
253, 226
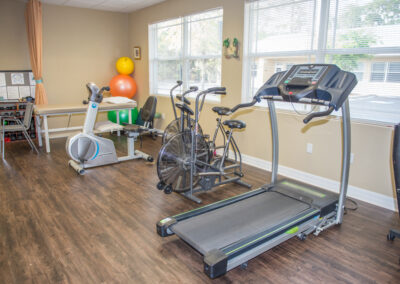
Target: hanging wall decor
231, 50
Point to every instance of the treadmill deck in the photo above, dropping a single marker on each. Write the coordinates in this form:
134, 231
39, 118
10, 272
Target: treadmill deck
219, 228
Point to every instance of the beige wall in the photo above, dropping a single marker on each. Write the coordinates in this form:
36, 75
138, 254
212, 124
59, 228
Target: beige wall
370, 143
82, 47
79, 46
14, 54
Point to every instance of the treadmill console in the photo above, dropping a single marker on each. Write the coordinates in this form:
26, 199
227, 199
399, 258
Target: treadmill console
322, 84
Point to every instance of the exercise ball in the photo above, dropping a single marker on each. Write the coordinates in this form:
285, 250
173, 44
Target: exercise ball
125, 66
123, 116
123, 86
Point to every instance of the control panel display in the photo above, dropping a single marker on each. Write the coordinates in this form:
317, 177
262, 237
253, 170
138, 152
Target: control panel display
310, 72
319, 84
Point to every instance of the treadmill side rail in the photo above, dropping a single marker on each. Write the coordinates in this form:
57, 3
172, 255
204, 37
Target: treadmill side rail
163, 226
218, 261
215, 263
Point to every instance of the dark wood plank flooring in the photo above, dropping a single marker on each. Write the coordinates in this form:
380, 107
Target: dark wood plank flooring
58, 227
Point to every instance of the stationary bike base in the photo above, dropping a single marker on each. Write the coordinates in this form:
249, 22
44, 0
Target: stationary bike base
190, 193
138, 155
77, 167
132, 155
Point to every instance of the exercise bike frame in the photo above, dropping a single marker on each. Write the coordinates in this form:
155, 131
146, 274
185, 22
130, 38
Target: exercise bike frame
183, 116
219, 171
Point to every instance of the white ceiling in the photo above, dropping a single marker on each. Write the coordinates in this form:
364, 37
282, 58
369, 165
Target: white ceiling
108, 5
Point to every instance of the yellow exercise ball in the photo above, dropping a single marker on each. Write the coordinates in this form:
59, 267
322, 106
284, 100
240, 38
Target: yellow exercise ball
125, 66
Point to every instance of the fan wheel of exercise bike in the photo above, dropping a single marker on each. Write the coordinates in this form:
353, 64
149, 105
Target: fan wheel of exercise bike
173, 162
175, 127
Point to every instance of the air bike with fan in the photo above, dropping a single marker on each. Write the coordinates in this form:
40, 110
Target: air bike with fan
183, 122
190, 162
230, 232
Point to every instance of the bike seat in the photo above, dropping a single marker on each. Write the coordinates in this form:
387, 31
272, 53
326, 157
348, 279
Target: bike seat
185, 108
135, 128
235, 123
221, 110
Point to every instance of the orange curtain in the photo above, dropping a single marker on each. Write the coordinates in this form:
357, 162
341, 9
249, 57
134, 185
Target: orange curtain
33, 16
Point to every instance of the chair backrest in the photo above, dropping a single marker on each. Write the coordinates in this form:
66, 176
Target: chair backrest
28, 115
149, 109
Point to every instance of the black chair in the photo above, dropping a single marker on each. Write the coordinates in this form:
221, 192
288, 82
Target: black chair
147, 114
396, 170
148, 111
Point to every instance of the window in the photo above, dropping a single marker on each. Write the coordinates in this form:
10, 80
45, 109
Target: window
378, 72
187, 49
362, 37
393, 74
385, 72
359, 71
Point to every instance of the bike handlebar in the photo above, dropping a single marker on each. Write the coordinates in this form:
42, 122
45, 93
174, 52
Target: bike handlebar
95, 94
182, 97
220, 93
191, 89
178, 84
106, 88
318, 114
252, 103
214, 90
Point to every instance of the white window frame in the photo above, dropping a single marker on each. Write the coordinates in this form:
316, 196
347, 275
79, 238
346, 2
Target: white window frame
360, 71
248, 57
185, 57
320, 52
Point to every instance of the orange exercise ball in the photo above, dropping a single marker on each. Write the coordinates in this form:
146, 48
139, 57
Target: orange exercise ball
123, 86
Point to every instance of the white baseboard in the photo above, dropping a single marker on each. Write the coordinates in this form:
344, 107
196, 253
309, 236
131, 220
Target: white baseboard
325, 183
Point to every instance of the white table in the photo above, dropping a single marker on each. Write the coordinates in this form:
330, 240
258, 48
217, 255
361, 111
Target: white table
45, 111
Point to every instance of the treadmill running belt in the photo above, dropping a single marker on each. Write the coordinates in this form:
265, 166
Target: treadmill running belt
229, 224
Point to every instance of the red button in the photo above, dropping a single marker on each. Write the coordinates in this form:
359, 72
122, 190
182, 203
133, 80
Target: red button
290, 93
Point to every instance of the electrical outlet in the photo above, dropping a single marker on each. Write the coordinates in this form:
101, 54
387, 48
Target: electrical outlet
351, 158
309, 148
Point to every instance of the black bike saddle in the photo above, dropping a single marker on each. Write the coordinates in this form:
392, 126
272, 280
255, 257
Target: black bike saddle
221, 110
235, 123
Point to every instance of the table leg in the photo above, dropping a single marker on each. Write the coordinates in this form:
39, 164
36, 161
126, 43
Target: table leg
39, 130
46, 133
130, 116
118, 132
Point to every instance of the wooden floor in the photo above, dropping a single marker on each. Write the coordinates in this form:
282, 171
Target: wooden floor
58, 227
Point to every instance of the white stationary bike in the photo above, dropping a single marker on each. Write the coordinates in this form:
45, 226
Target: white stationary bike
88, 150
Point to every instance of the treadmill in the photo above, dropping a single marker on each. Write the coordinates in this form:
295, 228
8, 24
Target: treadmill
230, 232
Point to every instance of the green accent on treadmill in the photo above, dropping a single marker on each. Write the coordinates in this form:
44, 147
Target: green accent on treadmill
292, 230
270, 233
165, 220
303, 188
214, 203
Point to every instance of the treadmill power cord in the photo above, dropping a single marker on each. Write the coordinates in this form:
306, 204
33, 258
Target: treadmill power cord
351, 208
